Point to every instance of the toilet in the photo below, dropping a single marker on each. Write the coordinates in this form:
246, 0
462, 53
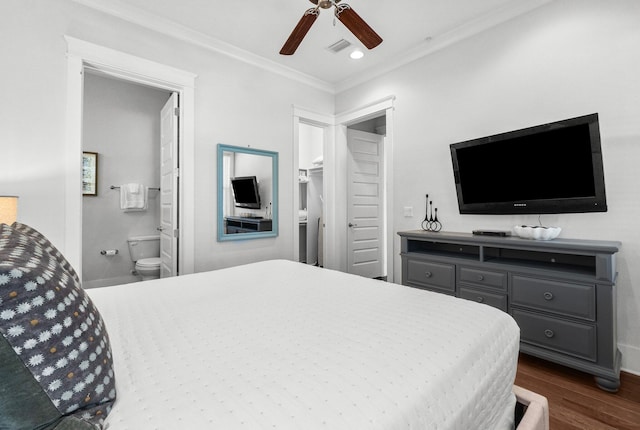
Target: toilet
145, 253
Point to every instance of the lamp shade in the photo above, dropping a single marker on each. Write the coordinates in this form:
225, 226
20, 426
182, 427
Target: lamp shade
8, 209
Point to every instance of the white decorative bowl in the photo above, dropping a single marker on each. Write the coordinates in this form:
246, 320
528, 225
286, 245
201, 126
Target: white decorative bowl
537, 232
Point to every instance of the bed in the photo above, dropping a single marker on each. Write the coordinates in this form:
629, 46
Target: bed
283, 345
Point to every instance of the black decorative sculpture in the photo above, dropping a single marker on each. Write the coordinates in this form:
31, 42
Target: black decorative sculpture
431, 222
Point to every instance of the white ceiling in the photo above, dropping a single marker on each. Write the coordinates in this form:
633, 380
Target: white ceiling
254, 31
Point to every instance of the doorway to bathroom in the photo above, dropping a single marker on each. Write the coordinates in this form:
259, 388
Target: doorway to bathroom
84, 57
122, 124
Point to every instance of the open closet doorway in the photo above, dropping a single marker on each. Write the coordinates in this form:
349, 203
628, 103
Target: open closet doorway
314, 136
121, 231
311, 197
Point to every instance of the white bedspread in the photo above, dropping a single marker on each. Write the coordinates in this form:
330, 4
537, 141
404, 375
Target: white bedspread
282, 345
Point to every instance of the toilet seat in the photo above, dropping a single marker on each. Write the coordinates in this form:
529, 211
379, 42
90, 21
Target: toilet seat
149, 262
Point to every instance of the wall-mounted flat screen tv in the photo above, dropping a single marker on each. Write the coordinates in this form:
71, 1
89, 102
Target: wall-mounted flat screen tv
245, 192
550, 168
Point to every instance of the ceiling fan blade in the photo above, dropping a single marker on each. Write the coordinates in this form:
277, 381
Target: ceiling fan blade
357, 26
300, 31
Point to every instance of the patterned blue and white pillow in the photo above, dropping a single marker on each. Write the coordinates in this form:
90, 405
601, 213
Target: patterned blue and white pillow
45, 243
57, 335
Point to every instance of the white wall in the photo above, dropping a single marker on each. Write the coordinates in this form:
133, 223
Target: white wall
566, 59
122, 124
236, 104
311, 144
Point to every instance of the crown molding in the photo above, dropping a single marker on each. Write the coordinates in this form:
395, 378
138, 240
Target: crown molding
170, 28
444, 40
137, 16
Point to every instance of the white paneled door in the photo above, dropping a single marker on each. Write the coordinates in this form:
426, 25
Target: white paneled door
169, 177
365, 206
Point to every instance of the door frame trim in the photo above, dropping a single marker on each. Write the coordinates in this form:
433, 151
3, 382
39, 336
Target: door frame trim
327, 123
335, 173
81, 56
375, 109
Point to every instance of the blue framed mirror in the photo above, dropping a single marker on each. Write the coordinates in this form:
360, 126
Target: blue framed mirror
247, 193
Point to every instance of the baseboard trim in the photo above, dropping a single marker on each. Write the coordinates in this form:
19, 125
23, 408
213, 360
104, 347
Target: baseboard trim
630, 359
97, 283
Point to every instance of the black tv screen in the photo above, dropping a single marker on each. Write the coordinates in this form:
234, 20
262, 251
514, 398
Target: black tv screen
245, 192
550, 168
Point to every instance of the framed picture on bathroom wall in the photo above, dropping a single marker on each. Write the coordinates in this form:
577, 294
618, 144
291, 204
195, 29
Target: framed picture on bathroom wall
89, 173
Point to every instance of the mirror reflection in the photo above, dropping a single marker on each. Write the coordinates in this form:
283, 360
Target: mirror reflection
247, 193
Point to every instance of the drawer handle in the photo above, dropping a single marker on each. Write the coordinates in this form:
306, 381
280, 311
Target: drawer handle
548, 295
480, 299
428, 274
549, 333
480, 278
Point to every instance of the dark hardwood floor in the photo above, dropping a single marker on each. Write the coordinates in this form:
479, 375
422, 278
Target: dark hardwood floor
575, 402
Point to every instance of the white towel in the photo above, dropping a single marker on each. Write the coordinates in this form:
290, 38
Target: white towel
133, 197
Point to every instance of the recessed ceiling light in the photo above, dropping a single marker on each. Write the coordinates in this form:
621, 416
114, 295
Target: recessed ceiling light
357, 54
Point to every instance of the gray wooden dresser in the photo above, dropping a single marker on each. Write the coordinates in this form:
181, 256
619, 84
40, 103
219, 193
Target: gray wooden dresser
562, 293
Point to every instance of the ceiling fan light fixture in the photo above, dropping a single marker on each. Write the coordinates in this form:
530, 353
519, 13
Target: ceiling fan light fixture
325, 4
344, 13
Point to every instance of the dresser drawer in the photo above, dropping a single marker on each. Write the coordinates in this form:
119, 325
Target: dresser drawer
564, 298
496, 300
431, 274
483, 277
571, 338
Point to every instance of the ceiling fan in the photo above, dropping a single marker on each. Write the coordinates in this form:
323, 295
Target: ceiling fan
344, 13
